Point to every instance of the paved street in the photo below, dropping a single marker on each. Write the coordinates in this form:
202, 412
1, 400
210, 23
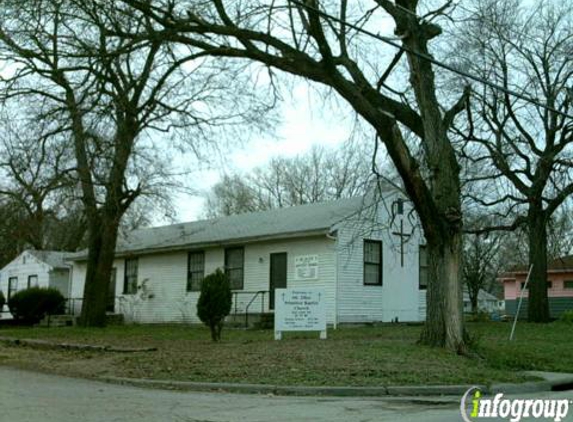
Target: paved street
32, 397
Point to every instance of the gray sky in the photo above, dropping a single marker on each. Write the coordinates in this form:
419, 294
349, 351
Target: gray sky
303, 125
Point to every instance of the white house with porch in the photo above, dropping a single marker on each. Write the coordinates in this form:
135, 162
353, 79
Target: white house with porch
36, 268
364, 255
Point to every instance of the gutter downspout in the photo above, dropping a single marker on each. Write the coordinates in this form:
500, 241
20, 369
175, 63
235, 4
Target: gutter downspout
336, 251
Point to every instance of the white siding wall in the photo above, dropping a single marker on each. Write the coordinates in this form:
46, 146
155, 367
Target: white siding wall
77, 287
22, 267
163, 297
422, 305
398, 297
60, 279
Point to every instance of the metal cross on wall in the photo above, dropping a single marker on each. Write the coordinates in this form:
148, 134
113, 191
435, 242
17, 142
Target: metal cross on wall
398, 208
403, 238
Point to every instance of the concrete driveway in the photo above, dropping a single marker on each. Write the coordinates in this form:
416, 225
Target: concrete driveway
32, 397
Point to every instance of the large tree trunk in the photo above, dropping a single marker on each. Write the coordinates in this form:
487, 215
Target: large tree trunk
102, 241
442, 221
444, 318
538, 303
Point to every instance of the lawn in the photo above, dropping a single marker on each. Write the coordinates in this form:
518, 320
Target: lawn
378, 355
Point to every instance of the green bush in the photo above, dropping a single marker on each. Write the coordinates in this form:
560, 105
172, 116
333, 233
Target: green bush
215, 302
479, 316
567, 316
33, 304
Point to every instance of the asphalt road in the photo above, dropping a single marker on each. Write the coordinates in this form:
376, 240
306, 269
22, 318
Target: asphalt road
32, 397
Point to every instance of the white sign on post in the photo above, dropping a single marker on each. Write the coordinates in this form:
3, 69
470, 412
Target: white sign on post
300, 310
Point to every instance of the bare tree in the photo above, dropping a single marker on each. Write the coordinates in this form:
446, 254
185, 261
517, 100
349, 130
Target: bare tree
36, 179
232, 195
525, 141
560, 233
110, 96
317, 176
38, 185
329, 43
11, 240
480, 264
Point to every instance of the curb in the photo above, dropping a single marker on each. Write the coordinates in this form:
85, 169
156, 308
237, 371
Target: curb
277, 390
552, 381
374, 391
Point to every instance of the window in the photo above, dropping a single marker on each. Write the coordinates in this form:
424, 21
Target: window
423, 267
130, 277
32, 281
372, 262
549, 284
568, 284
196, 271
12, 287
523, 285
234, 263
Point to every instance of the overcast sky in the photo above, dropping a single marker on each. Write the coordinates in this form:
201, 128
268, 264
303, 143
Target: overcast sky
306, 121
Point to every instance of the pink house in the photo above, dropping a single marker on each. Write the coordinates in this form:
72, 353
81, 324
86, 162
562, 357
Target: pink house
560, 287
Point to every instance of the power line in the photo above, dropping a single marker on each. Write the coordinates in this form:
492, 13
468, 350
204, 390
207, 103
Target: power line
473, 12
432, 60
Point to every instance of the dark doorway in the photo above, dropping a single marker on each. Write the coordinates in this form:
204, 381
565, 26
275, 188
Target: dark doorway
278, 275
111, 292
12, 287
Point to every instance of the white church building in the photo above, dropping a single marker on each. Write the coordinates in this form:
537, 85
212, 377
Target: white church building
367, 257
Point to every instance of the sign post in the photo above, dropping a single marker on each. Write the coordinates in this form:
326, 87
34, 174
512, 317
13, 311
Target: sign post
300, 310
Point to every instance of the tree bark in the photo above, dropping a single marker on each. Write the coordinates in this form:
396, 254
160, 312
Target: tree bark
538, 303
444, 318
474, 302
443, 225
215, 328
102, 241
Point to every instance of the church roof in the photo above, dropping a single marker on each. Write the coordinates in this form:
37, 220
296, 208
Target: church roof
297, 221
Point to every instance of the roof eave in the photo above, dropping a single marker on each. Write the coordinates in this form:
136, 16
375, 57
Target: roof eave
212, 244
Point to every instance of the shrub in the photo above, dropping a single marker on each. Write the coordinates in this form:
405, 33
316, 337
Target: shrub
479, 316
33, 304
215, 302
567, 316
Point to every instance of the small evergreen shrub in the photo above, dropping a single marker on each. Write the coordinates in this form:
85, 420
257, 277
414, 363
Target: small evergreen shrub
567, 316
215, 302
33, 304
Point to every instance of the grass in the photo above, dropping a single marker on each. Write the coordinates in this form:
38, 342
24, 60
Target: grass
382, 355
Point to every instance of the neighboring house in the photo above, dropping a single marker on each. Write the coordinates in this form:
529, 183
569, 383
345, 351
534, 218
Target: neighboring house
559, 287
364, 256
36, 268
486, 302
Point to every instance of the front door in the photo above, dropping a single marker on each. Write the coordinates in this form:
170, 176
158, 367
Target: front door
278, 275
111, 292
12, 287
